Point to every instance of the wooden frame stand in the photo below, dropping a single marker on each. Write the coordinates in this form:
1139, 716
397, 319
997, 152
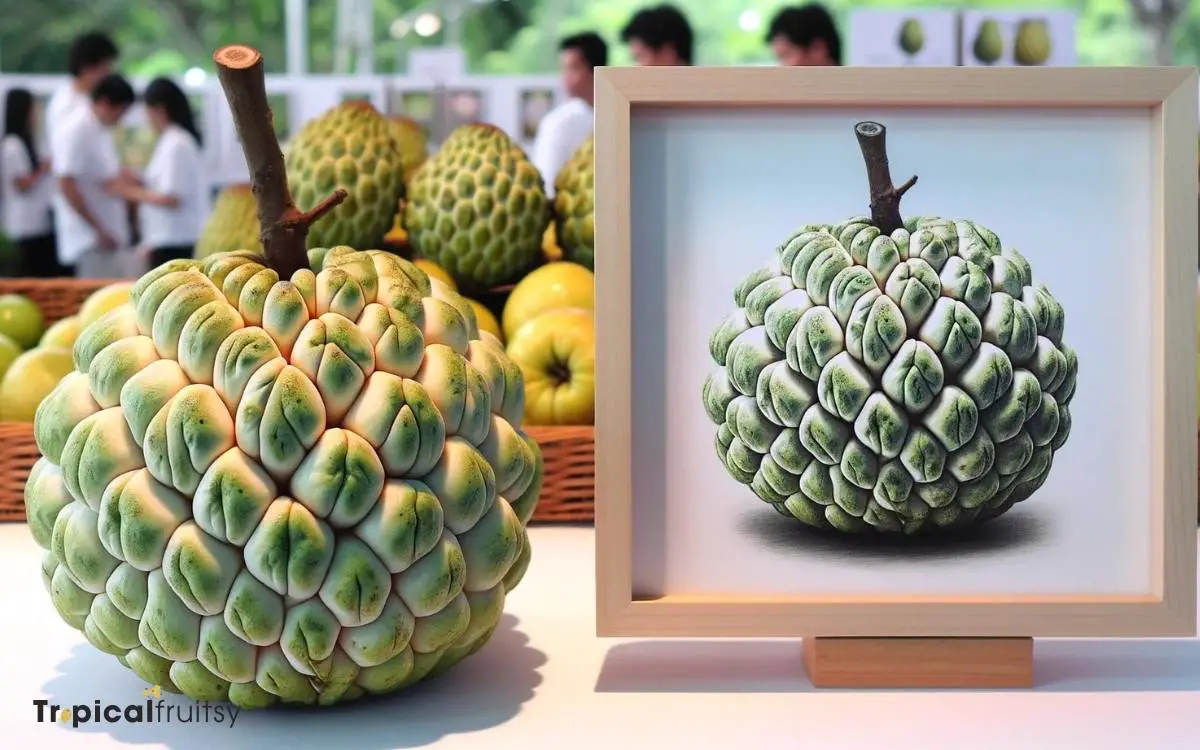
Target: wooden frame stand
919, 662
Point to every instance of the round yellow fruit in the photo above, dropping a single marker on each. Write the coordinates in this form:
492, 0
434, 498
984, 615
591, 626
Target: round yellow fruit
62, 334
30, 378
487, 321
436, 271
550, 287
556, 352
9, 351
103, 301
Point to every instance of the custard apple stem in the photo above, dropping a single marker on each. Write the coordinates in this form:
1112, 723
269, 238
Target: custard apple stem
284, 227
885, 196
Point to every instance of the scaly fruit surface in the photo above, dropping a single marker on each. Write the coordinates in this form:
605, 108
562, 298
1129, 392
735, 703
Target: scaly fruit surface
478, 208
232, 225
351, 146
575, 206
285, 491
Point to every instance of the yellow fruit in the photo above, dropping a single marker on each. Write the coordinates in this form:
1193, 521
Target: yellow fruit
411, 142
103, 301
62, 334
9, 351
232, 225
556, 352
554, 285
436, 271
30, 378
487, 321
550, 249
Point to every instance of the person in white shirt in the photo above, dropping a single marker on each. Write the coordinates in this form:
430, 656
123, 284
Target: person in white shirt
567, 126
90, 59
25, 189
173, 201
93, 236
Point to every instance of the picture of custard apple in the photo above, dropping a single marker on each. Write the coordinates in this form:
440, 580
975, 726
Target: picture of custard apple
478, 208
285, 491
351, 146
892, 383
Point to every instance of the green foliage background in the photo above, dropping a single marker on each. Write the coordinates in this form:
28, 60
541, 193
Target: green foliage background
165, 37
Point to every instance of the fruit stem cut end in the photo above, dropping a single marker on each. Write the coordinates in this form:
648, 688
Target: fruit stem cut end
284, 228
885, 196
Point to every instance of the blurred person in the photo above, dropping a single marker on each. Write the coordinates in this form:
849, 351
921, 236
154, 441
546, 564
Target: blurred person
25, 190
173, 197
659, 36
567, 126
90, 58
805, 35
93, 231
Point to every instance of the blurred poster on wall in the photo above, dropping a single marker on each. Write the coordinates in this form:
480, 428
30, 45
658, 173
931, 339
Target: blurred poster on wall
903, 37
1016, 37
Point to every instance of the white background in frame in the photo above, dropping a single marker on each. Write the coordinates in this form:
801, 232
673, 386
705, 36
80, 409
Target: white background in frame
715, 192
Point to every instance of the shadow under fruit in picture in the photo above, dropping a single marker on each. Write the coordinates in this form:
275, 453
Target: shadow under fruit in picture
891, 376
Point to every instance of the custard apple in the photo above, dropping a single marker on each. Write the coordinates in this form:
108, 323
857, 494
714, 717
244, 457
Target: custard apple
891, 383
232, 225
575, 206
478, 208
298, 491
349, 147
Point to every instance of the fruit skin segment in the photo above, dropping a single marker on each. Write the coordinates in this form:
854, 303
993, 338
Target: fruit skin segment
891, 382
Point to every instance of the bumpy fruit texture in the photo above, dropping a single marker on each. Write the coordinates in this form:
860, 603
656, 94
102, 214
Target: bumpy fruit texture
297, 491
575, 206
892, 384
232, 225
351, 147
478, 208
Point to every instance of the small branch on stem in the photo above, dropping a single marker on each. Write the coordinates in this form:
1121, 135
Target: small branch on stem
284, 227
885, 196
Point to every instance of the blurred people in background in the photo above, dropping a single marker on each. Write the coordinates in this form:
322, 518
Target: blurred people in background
93, 228
660, 35
805, 35
567, 126
25, 188
90, 58
173, 199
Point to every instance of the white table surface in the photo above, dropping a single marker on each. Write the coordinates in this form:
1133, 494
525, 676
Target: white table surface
545, 681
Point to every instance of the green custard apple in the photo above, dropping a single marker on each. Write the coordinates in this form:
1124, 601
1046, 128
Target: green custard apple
232, 225
575, 206
478, 208
285, 491
350, 147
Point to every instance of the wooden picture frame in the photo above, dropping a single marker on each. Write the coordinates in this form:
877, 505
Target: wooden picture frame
1170, 97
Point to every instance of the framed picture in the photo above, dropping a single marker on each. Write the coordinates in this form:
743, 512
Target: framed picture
831, 413
535, 104
462, 106
421, 106
911, 37
1026, 38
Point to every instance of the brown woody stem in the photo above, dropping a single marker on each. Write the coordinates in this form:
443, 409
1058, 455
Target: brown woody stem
885, 196
284, 228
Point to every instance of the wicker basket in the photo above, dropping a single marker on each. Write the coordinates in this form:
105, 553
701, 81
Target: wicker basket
17, 457
57, 298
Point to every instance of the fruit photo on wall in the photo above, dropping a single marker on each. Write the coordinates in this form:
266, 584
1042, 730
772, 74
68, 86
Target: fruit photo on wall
298, 475
911, 39
884, 375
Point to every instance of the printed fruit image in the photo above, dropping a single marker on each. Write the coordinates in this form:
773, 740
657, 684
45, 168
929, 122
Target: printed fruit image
104, 300
881, 375
9, 351
556, 351
912, 37
350, 147
1031, 44
478, 208
575, 206
554, 285
29, 379
284, 478
989, 44
21, 320
232, 225
61, 334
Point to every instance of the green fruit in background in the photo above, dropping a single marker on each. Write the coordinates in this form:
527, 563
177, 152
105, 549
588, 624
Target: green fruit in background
411, 142
912, 36
891, 383
350, 147
989, 44
29, 379
478, 208
575, 206
232, 225
1031, 45
9, 351
285, 491
21, 320
62, 334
